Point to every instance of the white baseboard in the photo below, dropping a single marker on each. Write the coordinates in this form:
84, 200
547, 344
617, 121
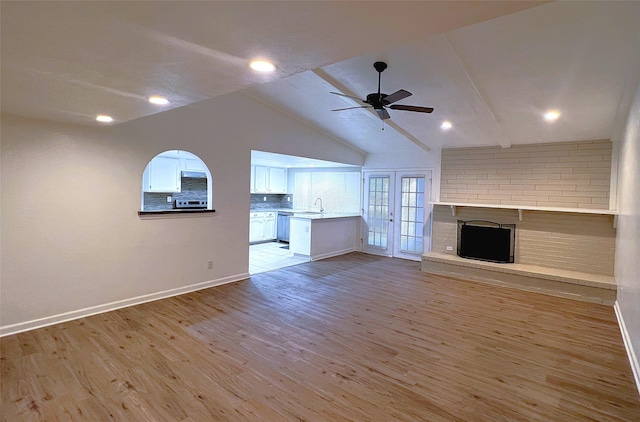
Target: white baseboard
112, 306
633, 357
333, 253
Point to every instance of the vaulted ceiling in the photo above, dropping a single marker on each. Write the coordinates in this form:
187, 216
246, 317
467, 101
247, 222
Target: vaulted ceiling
490, 68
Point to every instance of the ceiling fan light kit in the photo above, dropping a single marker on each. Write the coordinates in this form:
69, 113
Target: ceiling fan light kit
380, 101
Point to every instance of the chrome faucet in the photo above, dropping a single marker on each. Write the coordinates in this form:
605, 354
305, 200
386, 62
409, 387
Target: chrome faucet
316, 203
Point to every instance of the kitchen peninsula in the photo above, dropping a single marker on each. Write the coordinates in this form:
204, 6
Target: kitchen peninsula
323, 235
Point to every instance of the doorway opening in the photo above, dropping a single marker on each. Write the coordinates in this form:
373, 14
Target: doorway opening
284, 185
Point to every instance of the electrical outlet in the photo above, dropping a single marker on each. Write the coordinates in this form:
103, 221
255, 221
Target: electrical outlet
169, 198
449, 248
264, 199
210, 264
288, 199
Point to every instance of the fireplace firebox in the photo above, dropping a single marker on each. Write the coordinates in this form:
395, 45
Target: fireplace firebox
486, 241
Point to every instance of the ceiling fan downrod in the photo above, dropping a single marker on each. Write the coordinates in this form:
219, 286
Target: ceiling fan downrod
379, 67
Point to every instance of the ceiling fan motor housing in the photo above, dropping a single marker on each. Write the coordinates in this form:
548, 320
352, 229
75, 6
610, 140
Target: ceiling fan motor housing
376, 100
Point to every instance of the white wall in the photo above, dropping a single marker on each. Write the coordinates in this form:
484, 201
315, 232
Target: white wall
71, 235
410, 159
627, 269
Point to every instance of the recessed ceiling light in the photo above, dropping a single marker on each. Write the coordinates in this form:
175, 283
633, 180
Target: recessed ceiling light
103, 118
158, 100
446, 125
551, 115
262, 66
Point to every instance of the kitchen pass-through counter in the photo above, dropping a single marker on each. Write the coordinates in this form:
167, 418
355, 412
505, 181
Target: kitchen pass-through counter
323, 235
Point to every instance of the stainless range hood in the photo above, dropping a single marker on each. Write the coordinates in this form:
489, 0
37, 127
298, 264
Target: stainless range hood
194, 174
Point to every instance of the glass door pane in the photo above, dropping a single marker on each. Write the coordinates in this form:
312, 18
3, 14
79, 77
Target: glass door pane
378, 213
413, 211
412, 214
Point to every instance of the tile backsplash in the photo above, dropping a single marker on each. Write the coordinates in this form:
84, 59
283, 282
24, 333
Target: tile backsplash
193, 188
272, 201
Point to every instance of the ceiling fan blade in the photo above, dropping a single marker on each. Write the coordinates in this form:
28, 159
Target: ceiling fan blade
348, 96
350, 108
411, 108
396, 96
382, 113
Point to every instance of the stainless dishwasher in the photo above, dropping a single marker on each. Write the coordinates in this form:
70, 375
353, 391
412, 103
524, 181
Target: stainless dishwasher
283, 225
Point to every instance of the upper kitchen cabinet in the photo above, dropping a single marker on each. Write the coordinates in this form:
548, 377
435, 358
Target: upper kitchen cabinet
193, 164
268, 179
277, 180
162, 175
260, 181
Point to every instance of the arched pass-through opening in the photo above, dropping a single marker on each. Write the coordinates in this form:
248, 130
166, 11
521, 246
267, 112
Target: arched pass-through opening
176, 180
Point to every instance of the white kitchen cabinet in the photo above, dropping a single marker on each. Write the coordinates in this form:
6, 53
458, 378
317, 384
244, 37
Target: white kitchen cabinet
256, 227
260, 179
277, 180
162, 175
251, 180
262, 226
268, 179
193, 164
270, 232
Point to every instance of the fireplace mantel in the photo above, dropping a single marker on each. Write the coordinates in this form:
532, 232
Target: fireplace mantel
522, 208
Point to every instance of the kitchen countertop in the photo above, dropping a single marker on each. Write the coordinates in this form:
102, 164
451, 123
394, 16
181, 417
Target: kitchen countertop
291, 210
308, 214
174, 213
324, 216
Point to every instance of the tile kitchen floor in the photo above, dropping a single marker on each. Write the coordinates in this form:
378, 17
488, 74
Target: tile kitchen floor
270, 256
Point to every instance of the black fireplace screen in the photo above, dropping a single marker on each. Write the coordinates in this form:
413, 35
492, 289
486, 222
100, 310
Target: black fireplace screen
486, 241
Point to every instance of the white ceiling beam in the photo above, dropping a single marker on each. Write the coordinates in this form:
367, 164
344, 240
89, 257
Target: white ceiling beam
343, 89
492, 120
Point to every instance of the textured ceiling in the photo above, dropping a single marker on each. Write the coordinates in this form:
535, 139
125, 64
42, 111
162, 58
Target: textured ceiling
493, 80
491, 68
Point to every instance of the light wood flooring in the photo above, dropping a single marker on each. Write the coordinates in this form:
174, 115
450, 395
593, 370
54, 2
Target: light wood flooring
351, 338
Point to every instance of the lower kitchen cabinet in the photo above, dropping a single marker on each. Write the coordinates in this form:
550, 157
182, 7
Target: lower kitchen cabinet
270, 232
262, 226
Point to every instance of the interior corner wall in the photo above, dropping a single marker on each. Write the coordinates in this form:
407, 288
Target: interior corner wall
72, 241
627, 267
409, 159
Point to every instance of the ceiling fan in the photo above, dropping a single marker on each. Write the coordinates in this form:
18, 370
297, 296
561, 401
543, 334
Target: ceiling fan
380, 101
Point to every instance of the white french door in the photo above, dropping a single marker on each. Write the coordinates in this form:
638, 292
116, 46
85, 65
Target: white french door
396, 213
378, 213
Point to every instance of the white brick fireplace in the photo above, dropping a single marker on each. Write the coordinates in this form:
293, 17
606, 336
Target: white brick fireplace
558, 197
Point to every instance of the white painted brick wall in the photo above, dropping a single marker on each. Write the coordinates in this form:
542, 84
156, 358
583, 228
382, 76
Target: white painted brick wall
568, 175
567, 241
